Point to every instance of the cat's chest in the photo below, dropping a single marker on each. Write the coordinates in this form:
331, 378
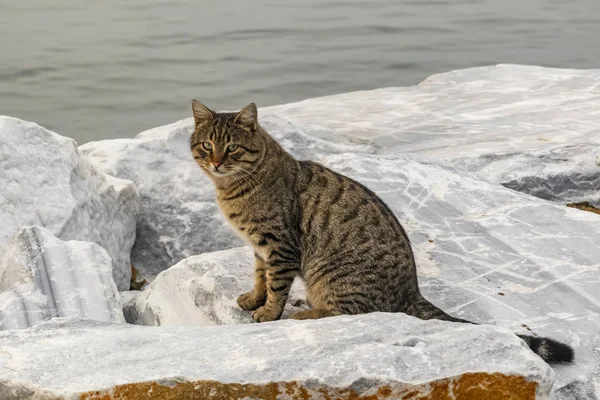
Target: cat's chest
239, 215
252, 222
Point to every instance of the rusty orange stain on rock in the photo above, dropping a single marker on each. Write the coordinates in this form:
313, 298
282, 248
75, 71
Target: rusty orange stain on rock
585, 206
469, 386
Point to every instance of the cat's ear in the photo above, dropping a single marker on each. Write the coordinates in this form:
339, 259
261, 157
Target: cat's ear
202, 115
248, 117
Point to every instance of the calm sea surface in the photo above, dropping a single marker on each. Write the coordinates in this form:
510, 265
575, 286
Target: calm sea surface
106, 69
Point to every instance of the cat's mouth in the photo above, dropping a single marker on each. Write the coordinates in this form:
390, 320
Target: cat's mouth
219, 172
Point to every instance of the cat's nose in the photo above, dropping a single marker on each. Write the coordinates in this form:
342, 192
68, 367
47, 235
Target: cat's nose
216, 164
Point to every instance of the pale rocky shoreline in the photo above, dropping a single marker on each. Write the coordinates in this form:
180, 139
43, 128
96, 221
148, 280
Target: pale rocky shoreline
477, 164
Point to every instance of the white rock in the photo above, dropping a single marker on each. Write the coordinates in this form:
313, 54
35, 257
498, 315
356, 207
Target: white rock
518, 125
42, 277
202, 290
475, 111
286, 359
45, 182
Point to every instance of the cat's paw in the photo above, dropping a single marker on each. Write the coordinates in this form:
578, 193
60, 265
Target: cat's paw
266, 314
249, 301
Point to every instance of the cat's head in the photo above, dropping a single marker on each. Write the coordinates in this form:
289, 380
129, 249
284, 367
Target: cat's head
226, 144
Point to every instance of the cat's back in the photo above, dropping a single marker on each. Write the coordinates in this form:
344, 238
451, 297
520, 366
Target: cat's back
341, 213
354, 250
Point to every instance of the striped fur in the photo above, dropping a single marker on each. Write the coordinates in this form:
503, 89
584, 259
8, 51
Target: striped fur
304, 219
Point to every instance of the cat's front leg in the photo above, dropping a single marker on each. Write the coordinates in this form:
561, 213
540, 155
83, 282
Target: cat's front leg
258, 295
281, 271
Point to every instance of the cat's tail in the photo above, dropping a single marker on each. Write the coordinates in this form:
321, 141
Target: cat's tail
549, 350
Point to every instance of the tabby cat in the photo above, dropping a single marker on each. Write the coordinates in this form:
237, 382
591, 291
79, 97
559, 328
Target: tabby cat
304, 219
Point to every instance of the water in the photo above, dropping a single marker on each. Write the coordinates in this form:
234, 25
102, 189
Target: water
94, 70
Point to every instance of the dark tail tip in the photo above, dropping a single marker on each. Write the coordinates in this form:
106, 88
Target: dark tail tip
550, 350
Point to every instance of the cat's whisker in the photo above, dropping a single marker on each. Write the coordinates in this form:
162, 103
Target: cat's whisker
248, 183
239, 178
257, 182
254, 178
247, 179
252, 181
236, 177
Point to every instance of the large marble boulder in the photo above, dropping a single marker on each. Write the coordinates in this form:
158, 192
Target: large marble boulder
379, 356
534, 129
45, 182
202, 290
42, 277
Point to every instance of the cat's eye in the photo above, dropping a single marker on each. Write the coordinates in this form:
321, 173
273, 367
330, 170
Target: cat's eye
207, 146
232, 147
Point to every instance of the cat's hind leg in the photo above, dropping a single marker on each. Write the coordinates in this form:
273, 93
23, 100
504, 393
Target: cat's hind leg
321, 302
